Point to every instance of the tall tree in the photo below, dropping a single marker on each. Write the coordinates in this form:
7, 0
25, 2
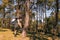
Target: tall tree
56, 12
4, 4
18, 11
26, 24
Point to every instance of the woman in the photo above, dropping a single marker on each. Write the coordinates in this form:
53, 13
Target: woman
17, 25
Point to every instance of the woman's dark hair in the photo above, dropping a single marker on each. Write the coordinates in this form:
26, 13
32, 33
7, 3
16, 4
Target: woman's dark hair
16, 18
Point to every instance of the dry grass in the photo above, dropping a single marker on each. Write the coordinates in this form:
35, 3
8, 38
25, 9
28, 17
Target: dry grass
6, 34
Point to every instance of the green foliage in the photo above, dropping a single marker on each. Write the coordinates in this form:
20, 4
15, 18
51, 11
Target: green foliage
40, 1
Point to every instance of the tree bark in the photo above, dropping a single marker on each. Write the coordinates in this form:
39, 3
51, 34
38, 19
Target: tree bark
26, 24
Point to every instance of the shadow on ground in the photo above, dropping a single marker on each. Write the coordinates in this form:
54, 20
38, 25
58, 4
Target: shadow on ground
3, 30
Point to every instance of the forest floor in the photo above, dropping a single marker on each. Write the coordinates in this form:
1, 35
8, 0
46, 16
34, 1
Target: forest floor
6, 34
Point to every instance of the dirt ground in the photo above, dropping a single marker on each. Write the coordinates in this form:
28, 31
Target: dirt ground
6, 34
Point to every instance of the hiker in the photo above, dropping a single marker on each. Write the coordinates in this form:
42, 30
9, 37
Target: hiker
17, 25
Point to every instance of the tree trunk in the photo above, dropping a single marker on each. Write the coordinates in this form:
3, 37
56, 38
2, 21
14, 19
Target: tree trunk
56, 15
3, 20
26, 19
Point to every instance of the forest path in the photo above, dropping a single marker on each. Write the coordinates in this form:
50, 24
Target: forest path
6, 34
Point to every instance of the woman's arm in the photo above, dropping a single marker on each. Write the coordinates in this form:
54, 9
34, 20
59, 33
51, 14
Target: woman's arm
19, 23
